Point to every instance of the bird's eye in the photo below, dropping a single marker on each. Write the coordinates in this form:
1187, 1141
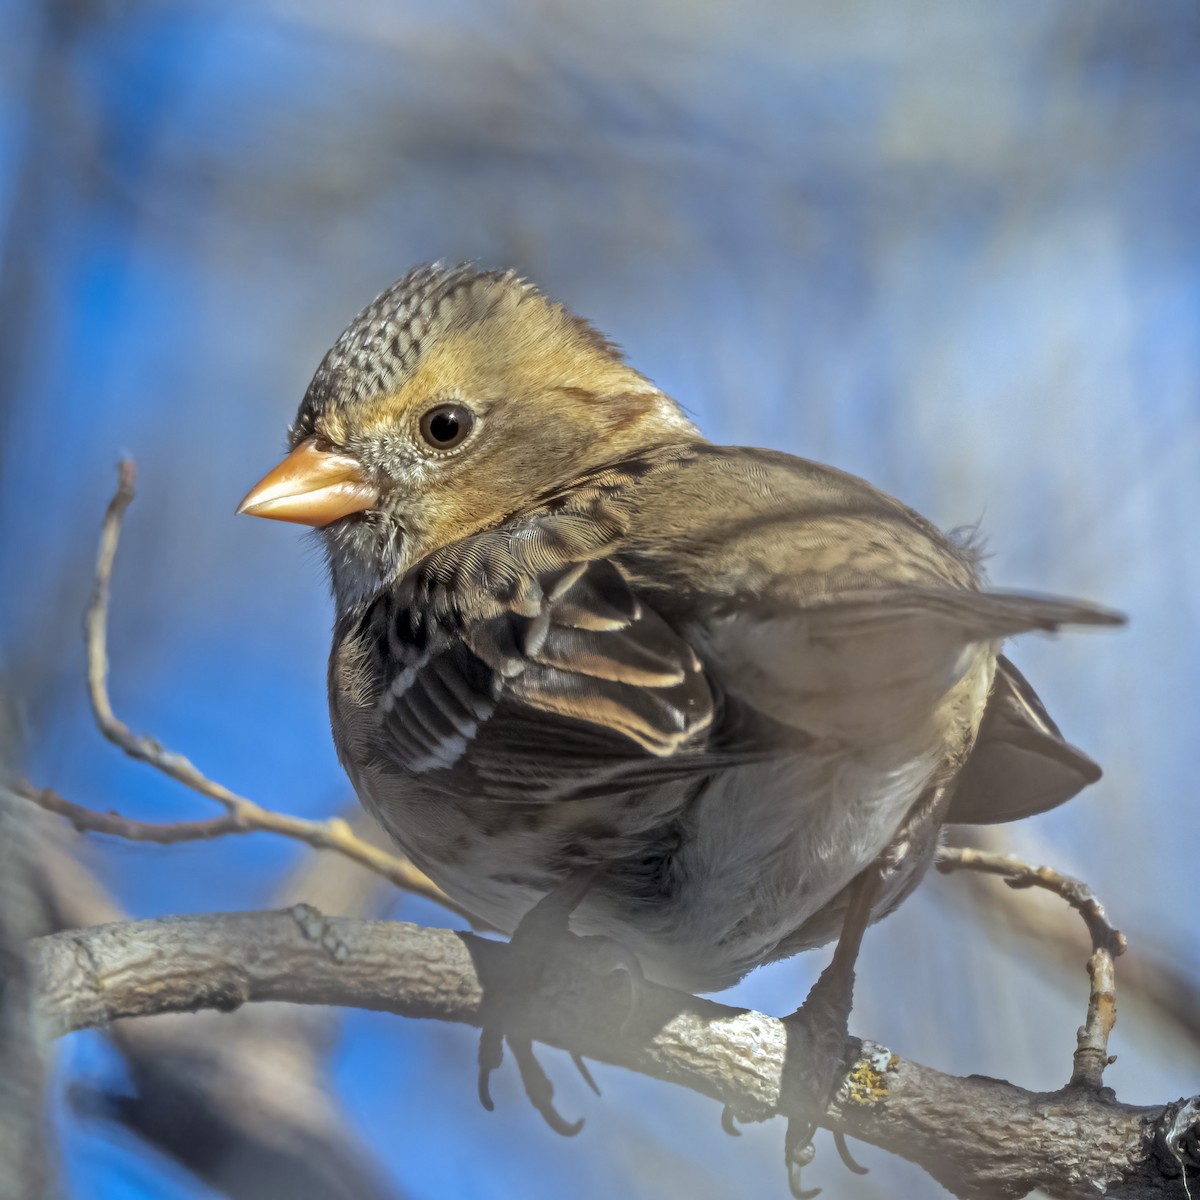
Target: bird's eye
447, 425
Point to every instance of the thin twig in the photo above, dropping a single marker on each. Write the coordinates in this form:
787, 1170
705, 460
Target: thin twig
241, 815
89, 820
95, 626
1156, 979
333, 834
1108, 943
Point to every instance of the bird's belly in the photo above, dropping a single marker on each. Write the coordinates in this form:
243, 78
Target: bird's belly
770, 847
706, 880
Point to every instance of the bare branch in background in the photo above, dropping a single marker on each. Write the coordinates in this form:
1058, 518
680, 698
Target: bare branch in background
333, 834
1091, 1051
1157, 981
242, 815
978, 1137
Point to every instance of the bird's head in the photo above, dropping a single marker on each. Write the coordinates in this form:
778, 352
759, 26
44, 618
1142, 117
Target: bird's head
453, 400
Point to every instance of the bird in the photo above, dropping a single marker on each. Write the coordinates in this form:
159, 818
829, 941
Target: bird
713, 704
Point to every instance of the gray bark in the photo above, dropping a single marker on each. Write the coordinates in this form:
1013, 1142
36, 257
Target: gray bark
977, 1136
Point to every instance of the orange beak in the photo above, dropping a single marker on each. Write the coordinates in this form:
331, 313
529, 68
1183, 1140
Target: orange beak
311, 487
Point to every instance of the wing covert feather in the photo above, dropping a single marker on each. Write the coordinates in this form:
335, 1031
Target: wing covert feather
478, 634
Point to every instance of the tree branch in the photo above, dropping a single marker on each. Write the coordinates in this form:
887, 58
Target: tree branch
1157, 983
244, 1102
1091, 1048
979, 1137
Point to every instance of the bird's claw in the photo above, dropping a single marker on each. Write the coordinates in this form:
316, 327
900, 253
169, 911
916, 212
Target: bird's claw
823, 1020
848, 1159
582, 1068
543, 936
798, 1152
491, 1055
536, 1082
539, 1089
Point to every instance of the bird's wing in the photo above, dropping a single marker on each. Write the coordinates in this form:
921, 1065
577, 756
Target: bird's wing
522, 660
868, 663
873, 665
601, 638
1021, 765
816, 599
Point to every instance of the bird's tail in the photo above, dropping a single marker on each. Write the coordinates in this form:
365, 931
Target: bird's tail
977, 616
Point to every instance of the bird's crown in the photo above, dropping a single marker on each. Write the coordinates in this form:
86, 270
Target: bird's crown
487, 320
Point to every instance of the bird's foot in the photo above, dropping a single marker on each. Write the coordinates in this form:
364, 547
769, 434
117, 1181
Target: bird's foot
542, 942
816, 1059
817, 1036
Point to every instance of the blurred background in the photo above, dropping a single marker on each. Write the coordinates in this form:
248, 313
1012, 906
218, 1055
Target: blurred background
953, 248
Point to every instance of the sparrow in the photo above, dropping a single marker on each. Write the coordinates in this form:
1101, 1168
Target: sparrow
718, 701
